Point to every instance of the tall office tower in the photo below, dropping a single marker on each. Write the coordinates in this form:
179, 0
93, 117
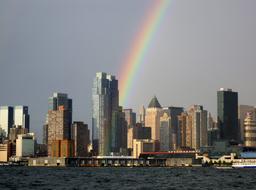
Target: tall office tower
182, 126
142, 114
152, 118
104, 102
167, 138
21, 117
130, 117
250, 130
80, 134
118, 132
228, 115
6, 120
174, 112
58, 126
198, 128
242, 114
61, 99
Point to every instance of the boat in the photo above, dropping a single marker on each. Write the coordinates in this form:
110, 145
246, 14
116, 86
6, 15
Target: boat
244, 163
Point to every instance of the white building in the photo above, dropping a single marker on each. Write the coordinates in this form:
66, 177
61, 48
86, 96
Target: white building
6, 120
25, 145
21, 116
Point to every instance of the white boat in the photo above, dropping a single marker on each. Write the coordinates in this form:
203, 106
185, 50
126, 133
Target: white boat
244, 163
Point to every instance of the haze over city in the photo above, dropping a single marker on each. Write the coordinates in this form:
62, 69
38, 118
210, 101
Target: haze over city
58, 46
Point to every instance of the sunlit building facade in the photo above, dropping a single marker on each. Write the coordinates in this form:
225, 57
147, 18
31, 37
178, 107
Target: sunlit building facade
6, 120
105, 101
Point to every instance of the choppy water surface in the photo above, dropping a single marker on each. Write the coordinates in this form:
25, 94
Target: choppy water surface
126, 178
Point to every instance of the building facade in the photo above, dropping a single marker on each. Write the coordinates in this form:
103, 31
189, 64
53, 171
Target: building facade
182, 125
167, 138
6, 120
142, 145
152, 118
58, 126
25, 145
105, 100
130, 117
118, 132
21, 117
242, 114
198, 129
81, 137
250, 130
228, 115
174, 112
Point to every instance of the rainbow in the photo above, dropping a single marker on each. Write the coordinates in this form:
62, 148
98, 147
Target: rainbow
140, 47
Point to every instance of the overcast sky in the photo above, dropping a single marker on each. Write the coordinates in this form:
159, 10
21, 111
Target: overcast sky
59, 45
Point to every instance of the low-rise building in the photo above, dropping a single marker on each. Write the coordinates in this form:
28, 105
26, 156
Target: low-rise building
62, 148
25, 145
143, 145
5, 152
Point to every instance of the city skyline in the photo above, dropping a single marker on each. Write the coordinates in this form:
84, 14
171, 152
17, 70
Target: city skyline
194, 53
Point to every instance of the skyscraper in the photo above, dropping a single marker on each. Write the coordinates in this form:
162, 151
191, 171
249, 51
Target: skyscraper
61, 99
6, 120
198, 122
81, 137
182, 126
228, 115
58, 126
58, 120
173, 113
21, 117
130, 117
118, 132
166, 136
152, 118
105, 101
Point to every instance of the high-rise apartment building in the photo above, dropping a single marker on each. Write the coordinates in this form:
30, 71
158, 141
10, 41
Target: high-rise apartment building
58, 120
58, 126
21, 117
105, 101
81, 136
6, 120
228, 115
61, 100
152, 118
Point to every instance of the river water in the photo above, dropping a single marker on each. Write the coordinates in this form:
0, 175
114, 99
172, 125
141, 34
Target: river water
126, 178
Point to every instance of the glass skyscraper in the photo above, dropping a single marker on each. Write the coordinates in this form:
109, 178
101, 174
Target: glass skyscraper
228, 115
105, 101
